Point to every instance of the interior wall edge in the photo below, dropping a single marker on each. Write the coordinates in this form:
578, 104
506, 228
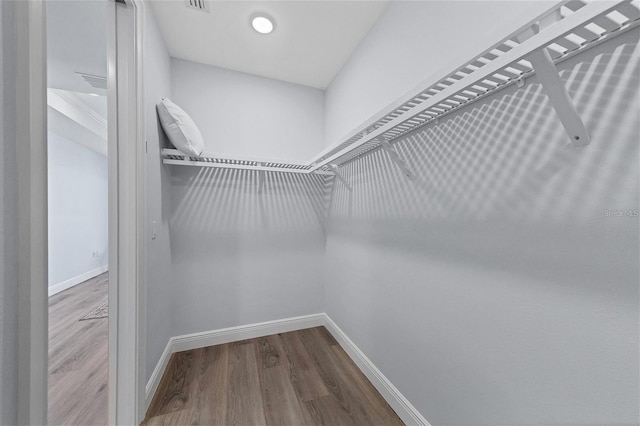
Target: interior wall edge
160, 277
400, 404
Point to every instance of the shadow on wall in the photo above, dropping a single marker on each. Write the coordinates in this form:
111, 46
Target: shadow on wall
217, 200
163, 142
498, 184
245, 252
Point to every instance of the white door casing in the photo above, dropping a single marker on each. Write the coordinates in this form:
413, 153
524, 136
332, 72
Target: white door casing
127, 218
127, 203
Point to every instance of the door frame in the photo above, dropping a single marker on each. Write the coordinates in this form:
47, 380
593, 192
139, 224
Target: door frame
127, 207
127, 214
31, 150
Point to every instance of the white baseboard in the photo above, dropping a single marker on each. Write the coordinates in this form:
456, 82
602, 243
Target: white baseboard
226, 335
396, 400
156, 375
403, 408
57, 288
250, 331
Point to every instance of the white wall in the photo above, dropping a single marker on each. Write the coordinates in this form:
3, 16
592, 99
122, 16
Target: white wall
413, 42
206, 271
157, 84
242, 115
8, 219
78, 212
240, 256
495, 289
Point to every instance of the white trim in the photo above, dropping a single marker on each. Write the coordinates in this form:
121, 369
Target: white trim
71, 282
243, 332
65, 127
140, 307
158, 371
127, 213
403, 408
70, 105
31, 129
112, 151
226, 335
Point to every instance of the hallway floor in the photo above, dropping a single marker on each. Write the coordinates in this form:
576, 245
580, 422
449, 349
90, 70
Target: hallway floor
78, 355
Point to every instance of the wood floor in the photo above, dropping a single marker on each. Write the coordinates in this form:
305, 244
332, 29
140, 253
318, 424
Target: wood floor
78, 363
298, 378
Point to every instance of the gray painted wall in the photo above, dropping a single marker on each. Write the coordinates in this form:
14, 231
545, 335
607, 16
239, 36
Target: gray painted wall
8, 219
157, 84
415, 41
240, 256
245, 115
496, 289
78, 209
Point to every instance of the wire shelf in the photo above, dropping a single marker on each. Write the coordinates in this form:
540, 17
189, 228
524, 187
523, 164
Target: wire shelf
564, 31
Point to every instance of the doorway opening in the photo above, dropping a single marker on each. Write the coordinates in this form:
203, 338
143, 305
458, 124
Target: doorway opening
78, 211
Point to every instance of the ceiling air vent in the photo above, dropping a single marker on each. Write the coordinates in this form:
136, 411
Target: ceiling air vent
201, 5
96, 81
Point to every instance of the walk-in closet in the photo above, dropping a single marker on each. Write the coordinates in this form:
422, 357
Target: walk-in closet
457, 208
386, 212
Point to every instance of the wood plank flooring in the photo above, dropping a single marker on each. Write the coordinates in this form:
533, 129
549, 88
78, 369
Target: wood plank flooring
298, 378
78, 351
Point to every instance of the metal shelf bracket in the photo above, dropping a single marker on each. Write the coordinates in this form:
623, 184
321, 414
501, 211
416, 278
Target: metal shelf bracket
557, 93
338, 176
402, 165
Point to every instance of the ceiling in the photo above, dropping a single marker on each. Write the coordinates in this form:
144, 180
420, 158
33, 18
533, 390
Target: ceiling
76, 43
311, 41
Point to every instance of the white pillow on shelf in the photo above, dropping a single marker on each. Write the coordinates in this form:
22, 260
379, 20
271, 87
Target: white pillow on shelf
180, 128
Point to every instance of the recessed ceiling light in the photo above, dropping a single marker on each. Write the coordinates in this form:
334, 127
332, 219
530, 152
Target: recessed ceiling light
262, 24
93, 94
